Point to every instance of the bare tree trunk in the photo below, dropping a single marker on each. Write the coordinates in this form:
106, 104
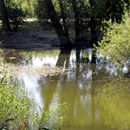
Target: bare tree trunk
64, 40
4, 16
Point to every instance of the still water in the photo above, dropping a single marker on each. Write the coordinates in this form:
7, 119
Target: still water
96, 97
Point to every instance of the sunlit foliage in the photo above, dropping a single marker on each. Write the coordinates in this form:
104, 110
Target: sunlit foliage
26, 6
14, 106
116, 43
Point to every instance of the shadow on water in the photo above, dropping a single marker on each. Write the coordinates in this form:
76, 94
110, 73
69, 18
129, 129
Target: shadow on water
96, 97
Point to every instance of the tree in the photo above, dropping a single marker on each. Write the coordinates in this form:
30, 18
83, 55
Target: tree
88, 16
63, 16
101, 11
4, 16
77, 19
93, 23
64, 40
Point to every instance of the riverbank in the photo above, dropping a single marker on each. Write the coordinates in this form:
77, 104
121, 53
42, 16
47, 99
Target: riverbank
32, 36
22, 40
29, 36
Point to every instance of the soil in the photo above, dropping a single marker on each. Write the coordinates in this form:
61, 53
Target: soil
26, 41
30, 36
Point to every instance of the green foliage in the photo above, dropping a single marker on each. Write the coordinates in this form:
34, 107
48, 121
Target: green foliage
110, 9
16, 113
15, 14
14, 106
16, 17
54, 116
18, 10
26, 6
116, 43
100, 11
42, 14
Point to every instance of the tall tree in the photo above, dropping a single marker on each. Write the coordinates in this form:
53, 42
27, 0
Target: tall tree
64, 40
4, 16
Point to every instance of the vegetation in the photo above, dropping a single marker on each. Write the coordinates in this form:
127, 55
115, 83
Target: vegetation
116, 43
15, 110
14, 106
101, 23
87, 17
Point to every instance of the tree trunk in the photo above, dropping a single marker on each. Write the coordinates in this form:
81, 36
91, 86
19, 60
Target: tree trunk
63, 16
93, 23
64, 40
77, 20
63, 58
4, 16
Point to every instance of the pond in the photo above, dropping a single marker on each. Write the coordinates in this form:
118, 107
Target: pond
96, 96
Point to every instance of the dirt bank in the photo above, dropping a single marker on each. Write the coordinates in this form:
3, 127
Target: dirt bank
24, 40
30, 36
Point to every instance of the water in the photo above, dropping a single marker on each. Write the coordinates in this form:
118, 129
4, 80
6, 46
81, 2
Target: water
97, 99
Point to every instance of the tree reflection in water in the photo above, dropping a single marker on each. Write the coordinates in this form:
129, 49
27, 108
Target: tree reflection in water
98, 100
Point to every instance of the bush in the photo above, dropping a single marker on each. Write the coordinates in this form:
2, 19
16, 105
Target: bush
116, 43
14, 106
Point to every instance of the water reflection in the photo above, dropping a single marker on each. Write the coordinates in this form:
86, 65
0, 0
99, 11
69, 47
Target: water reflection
48, 61
94, 104
32, 87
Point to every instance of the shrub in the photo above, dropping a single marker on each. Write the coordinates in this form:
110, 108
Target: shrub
116, 43
14, 106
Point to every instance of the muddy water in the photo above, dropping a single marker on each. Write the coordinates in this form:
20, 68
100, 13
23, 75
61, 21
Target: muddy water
96, 97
